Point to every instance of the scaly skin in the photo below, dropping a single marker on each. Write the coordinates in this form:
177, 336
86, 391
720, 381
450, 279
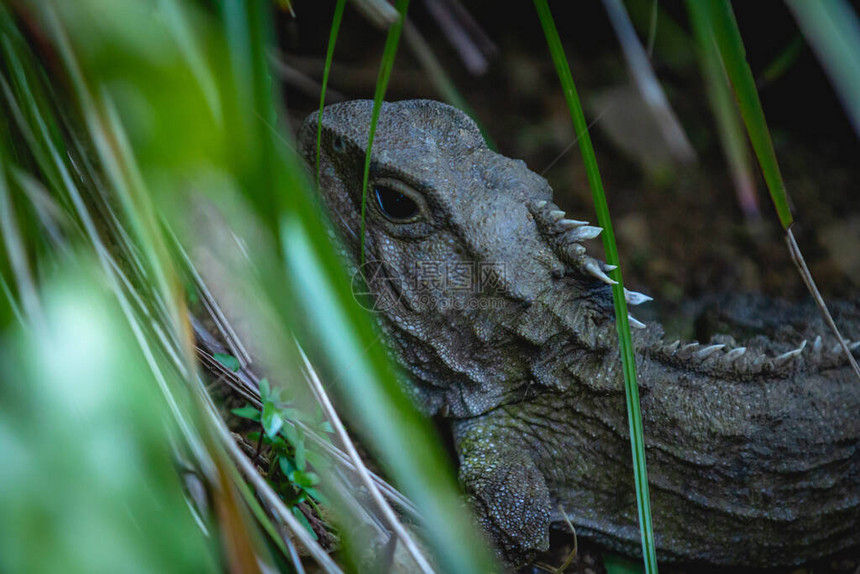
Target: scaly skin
752, 451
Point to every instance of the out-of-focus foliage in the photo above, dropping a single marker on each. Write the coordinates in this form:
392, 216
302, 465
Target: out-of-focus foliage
89, 480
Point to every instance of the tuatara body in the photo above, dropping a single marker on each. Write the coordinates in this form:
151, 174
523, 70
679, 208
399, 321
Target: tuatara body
505, 326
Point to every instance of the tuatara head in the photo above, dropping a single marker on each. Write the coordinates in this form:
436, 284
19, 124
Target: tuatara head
475, 271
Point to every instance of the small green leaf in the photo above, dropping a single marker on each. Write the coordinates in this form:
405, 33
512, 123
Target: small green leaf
275, 395
301, 462
326, 427
300, 497
228, 361
247, 412
278, 444
289, 433
315, 494
287, 466
304, 479
272, 421
264, 390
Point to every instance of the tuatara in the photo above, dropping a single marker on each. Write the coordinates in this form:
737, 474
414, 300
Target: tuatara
505, 326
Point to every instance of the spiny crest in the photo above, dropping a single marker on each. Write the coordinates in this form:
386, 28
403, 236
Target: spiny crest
565, 237
723, 358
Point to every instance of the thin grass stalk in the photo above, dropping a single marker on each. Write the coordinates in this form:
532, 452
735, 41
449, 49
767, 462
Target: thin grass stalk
16, 249
723, 108
800, 263
464, 35
385, 67
395, 432
263, 489
329, 55
157, 335
106, 129
652, 28
10, 298
646, 81
722, 21
628, 359
783, 61
235, 345
48, 212
363, 474
728, 36
114, 152
672, 45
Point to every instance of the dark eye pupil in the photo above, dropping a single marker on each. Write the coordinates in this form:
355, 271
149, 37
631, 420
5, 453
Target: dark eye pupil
395, 204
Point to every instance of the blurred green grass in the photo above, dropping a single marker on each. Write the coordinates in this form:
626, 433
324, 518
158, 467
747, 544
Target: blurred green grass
134, 119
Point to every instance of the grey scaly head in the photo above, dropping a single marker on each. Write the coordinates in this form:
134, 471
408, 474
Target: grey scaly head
486, 267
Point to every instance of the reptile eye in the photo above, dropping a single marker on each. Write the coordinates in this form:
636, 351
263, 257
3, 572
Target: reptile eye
394, 204
338, 145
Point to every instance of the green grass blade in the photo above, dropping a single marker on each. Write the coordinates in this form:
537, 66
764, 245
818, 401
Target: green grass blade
246, 27
15, 247
329, 55
9, 309
833, 30
626, 344
385, 67
729, 128
728, 37
177, 22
